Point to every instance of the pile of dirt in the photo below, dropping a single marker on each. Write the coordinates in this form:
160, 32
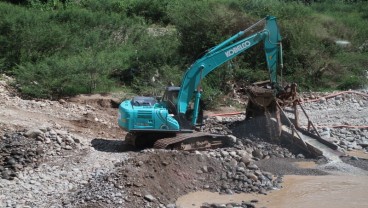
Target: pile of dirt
158, 178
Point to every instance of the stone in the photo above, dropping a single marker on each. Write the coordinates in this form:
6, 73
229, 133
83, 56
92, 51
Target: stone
350, 139
218, 119
224, 153
52, 132
325, 134
338, 97
69, 140
240, 169
233, 153
11, 161
59, 140
241, 153
230, 192
252, 176
140, 163
363, 144
47, 140
232, 138
246, 160
300, 156
149, 198
252, 167
62, 101
354, 158
68, 147
210, 169
233, 163
257, 153
33, 133
322, 100
39, 151
77, 139
254, 201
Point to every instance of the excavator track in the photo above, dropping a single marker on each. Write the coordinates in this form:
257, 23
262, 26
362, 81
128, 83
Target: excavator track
192, 141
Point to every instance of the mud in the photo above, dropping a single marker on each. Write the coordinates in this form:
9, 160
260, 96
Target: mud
358, 153
306, 164
284, 166
298, 192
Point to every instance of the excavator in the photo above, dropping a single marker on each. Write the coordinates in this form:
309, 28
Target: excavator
167, 123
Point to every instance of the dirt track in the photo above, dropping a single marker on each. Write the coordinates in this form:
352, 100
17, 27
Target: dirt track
77, 158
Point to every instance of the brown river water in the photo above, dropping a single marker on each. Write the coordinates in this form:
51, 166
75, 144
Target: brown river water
329, 191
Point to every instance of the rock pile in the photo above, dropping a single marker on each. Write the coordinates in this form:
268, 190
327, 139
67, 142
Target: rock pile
221, 125
345, 109
347, 139
158, 177
31, 147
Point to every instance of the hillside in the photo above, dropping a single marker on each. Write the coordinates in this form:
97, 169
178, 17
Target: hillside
63, 48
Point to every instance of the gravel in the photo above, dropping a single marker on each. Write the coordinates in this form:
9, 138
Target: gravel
53, 166
356, 162
37, 173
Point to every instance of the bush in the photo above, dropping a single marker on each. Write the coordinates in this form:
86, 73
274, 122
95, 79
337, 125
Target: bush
352, 82
55, 77
59, 48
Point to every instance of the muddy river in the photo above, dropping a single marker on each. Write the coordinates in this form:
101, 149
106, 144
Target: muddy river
298, 191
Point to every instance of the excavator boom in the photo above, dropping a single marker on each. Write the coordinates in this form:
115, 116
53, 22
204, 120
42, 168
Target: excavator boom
223, 53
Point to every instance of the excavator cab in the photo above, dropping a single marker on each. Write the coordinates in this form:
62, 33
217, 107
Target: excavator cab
143, 101
171, 99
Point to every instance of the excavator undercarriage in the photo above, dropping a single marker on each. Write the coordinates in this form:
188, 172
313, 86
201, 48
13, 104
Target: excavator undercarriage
179, 141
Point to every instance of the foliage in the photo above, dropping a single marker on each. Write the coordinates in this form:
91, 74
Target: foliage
58, 48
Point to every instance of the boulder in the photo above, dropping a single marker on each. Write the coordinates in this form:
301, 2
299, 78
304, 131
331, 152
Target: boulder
33, 133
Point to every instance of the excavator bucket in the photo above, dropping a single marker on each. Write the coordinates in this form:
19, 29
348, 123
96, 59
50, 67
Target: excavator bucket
260, 96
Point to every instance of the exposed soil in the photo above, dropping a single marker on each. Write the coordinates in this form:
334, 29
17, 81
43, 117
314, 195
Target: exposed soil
71, 153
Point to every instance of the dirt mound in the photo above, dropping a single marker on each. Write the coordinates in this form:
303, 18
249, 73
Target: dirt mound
160, 177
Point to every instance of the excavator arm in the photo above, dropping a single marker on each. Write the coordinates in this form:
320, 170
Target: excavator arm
224, 52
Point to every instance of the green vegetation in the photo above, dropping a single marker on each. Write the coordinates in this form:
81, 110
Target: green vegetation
57, 48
